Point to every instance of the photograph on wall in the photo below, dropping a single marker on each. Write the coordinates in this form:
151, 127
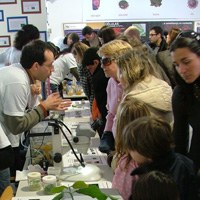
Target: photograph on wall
16, 23
43, 36
5, 41
31, 6
8, 1
1, 15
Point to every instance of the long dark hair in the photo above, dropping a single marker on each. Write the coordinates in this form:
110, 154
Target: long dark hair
192, 43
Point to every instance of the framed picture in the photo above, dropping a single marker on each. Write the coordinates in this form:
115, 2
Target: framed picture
5, 41
31, 6
43, 36
1, 15
16, 23
8, 1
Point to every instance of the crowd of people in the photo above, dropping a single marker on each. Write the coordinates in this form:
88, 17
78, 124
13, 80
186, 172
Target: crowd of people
144, 100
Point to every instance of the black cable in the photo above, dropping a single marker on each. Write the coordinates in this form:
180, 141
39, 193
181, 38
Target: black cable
81, 161
57, 122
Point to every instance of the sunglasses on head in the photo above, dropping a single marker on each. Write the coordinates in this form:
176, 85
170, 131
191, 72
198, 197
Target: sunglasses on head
106, 61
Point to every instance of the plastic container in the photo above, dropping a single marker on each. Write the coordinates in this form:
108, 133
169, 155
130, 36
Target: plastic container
79, 89
34, 181
69, 88
49, 182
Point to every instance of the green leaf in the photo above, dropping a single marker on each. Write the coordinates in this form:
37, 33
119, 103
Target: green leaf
58, 197
79, 185
93, 191
58, 189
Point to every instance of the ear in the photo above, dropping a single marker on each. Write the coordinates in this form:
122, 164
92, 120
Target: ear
35, 66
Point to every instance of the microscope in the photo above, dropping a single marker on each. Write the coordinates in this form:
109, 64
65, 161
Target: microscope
77, 139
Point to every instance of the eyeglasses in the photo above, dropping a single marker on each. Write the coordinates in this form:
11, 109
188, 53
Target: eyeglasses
106, 61
151, 35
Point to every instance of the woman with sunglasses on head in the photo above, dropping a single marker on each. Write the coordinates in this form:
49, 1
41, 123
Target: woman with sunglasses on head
109, 53
185, 54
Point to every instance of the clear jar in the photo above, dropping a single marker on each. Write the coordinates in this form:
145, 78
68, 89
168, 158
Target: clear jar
79, 89
34, 181
49, 182
69, 88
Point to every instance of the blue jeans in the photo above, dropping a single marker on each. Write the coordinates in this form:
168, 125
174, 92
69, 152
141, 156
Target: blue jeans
4, 179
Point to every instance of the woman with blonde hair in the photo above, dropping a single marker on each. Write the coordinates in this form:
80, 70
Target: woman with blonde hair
138, 77
109, 53
129, 109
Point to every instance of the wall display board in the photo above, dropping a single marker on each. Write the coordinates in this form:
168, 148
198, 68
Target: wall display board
143, 10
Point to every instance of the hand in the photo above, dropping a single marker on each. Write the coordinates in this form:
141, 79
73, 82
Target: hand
35, 89
55, 102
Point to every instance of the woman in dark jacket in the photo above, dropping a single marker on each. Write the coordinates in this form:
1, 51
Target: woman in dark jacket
185, 54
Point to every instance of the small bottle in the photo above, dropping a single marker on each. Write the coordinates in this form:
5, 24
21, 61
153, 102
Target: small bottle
49, 182
69, 88
79, 88
34, 181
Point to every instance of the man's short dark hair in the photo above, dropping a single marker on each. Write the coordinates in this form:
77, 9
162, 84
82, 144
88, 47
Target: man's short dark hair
87, 30
90, 55
33, 52
157, 30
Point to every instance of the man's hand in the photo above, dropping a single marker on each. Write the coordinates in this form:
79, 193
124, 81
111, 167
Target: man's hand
55, 102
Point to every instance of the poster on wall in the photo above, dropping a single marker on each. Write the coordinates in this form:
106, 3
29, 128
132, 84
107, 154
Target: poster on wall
119, 27
16, 23
181, 25
31, 6
5, 41
1, 15
197, 26
8, 1
74, 27
151, 10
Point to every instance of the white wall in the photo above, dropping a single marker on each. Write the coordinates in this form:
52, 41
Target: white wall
62, 11
14, 10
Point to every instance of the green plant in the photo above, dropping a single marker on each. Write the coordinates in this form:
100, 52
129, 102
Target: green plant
82, 188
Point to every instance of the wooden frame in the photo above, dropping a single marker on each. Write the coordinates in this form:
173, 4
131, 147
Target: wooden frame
31, 6
5, 41
1, 15
16, 23
8, 1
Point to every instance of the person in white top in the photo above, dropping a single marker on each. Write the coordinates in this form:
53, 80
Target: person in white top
26, 34
64, 65
15, 88
12, 55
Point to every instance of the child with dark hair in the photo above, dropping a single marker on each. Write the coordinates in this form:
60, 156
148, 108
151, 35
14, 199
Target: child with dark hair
155, 185
149, 141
